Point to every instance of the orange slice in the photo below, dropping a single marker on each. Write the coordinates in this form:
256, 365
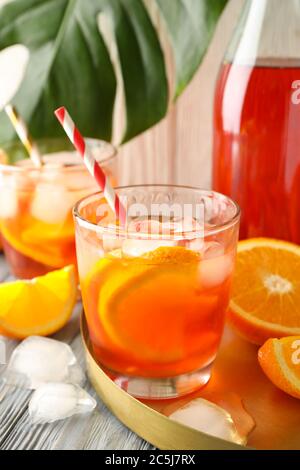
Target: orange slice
141, 302
280, 361
40, 233
266, 290
38, 307
48, 252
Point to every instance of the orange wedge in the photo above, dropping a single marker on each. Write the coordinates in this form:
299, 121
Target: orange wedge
266, 290
38, 307
280, 361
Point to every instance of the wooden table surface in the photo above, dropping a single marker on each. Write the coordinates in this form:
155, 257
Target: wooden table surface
98, 430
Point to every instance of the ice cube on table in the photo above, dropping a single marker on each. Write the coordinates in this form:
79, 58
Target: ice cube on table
55, 401
38, 360
209, 418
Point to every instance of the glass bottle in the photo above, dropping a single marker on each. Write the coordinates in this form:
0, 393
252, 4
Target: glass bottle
256, 156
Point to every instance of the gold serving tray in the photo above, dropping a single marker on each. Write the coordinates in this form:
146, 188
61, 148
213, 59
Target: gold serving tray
237, 384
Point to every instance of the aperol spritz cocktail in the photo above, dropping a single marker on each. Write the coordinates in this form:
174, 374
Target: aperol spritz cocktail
36, 223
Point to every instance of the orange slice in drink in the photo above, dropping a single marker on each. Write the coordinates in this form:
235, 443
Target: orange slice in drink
38, 307
266, 290
280, 361
146, 303
49, 253
40, 233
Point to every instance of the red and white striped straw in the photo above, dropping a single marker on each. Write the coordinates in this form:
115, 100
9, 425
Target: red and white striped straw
91, 163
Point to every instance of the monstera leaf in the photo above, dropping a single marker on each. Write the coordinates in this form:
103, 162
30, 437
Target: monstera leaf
70, 59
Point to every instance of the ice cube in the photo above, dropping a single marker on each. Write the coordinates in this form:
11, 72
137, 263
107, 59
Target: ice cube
145, 226
79, 180
62, 158
89, 248
209, 418
52, 202
188, 227
134, 248
8, 197
214, 271
75, 178
212, 249
38, 360
196, 244
55, 401
141, 245
111, 241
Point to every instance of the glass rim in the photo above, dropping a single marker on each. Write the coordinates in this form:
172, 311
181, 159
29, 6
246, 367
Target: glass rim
119, 231
93, 142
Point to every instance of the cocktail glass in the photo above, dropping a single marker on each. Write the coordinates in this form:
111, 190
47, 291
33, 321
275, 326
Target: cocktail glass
155, 292
36, 222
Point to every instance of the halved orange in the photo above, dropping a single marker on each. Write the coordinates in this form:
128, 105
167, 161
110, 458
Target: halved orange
266, 290
280, 361
40, 306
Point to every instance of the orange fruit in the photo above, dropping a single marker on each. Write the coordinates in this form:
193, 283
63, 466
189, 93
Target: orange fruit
280, 361
40, 306
266, 290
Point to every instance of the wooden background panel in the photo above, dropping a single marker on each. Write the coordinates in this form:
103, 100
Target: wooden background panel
179, 148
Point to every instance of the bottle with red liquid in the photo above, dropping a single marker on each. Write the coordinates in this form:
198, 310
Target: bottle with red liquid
256, 157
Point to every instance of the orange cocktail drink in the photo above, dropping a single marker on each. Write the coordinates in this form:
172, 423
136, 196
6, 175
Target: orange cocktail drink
36, 223
155, 293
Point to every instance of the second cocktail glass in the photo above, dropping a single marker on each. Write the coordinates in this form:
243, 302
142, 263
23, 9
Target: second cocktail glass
156, 292
36, 203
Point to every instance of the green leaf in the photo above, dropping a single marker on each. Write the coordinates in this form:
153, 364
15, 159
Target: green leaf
191, 24
70, 63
